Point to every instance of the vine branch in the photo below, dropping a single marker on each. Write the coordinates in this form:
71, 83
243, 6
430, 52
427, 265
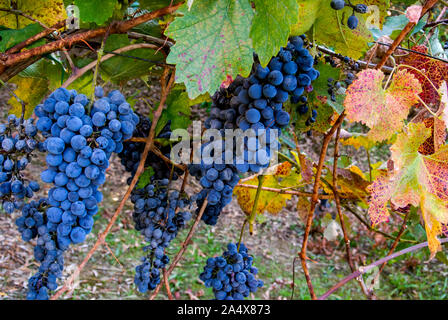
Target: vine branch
428, 5
369, 267
314, 199
9, 60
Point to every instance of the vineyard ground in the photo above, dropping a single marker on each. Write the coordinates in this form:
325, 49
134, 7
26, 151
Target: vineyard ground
108, 276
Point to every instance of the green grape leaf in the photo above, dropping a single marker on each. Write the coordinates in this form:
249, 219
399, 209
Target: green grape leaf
120, 68
308, 12
156, 4
97, 11
331, 30
320, 86
382, 110
11, 37
145, 178
212, 43
178, 109
271, 26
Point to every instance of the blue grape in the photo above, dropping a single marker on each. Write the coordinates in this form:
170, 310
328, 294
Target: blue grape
231, 275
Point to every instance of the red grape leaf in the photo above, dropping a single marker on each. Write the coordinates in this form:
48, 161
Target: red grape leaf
417, 180
380, 193
382, 110
413, 13
435, 70
437, 138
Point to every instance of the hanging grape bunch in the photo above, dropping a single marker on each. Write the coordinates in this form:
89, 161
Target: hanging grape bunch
253, 103
18, 142
232, 275
352, 21
159, 214
81, 135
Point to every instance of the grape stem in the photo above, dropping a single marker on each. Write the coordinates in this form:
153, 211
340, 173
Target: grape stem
393, 247
36, 37
167, 285
241, 234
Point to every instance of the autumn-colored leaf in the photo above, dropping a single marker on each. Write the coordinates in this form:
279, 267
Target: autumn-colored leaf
443, 107
358, 140
435, 70
417, 180
381, 109
46, 11
303, 208
351, 182
437, 138
380, 193
413, 13
284, 177
306, 166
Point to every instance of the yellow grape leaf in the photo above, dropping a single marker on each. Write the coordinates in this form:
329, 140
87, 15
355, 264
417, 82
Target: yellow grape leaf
30, 91
417, 180
358, 140
303, 208
382, 110
308, 12
272, 202
330, 30
351, 183
46, 11
306, 166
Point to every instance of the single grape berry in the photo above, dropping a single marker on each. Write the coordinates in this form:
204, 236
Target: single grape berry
352, 22
337, 4
361, 8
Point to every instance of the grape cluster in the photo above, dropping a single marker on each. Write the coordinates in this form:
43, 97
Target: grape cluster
159, 214
31, 219
352, 21
254, 103
17, 141
257, 102
80, 138
349, 68
231, 275
132, 151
